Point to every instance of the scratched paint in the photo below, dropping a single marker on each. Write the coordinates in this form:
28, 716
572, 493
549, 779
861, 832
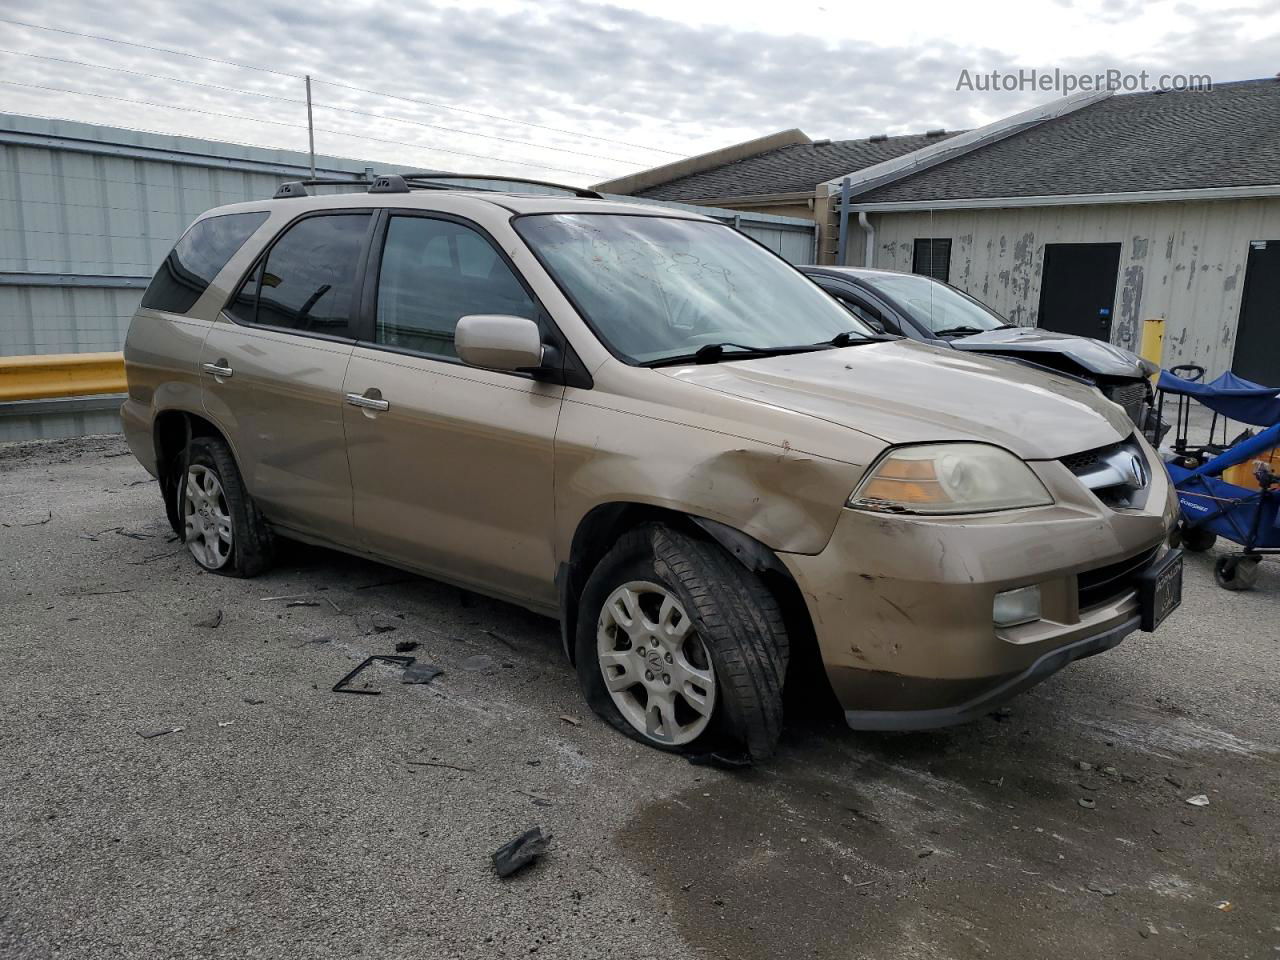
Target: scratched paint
1185, 262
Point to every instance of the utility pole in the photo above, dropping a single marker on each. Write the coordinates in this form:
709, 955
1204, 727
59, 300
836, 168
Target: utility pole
311, 131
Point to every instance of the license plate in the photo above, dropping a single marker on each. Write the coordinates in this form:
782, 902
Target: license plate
1160, 589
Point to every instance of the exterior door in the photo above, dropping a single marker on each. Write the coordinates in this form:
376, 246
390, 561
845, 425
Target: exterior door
451, 465
1257, 355
1078, 288
272, 373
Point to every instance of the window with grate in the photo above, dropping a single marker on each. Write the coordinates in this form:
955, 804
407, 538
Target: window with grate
932, 258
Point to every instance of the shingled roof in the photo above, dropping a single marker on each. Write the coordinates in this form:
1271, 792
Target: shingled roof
1225, 137
790, 169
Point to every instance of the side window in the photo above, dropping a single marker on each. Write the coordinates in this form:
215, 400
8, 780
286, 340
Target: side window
433, 273
196, 259
868, 312
308, 280
932, 258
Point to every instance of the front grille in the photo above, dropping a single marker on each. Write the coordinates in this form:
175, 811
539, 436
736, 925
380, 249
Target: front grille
1118, 474
1103, 584
1131, 396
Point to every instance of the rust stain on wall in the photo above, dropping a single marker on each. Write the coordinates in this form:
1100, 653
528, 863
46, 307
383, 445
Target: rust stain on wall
1126, 333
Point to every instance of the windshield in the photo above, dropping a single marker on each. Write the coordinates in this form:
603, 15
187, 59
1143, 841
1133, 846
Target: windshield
655, 288
936, 306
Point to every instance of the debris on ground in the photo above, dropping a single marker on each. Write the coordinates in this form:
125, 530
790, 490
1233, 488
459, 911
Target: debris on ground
1147, 930
1087, 802
420, 673
1099, 888
520, 852
925, 853
407, 646
382, 624
1225, 906
572, 721
1084, 765
38, 523
130, 534
538, 799
252, 702
477, 663
158, 732
1174, 781
1199, 800
724, 761
303, 603
344, 685
440, 763
211, 622
225, 723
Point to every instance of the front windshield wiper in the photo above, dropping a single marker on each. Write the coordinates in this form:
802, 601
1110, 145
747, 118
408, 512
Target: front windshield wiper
952, 331
715, 352
848, 338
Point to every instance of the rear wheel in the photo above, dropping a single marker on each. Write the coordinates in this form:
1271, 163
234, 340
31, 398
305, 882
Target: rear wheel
682, 648
220, 523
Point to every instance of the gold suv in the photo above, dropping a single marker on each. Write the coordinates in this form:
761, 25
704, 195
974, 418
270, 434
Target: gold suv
641, 422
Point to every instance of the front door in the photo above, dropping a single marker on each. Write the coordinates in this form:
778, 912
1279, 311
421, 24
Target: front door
1078, 288
272, 370
451, 466
1257, 355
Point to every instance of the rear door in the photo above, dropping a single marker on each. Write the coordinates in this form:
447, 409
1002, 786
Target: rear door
451, 465
272, 372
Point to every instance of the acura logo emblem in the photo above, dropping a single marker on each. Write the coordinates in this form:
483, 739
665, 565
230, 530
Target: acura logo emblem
1137, 472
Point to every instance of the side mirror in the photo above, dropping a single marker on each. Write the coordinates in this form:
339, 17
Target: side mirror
498, 342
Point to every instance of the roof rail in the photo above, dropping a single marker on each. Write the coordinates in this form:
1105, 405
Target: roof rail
418, 180
298, 188
424, 175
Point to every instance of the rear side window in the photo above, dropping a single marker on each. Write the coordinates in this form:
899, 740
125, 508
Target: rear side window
308, 280
196, 259
433, 273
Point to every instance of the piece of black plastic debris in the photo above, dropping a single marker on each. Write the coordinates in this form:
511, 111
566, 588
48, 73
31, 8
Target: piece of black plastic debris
212, 621
725, 761
420, 673
520, 852
303, 603
342, 685
158, 732
252, 702
407, 646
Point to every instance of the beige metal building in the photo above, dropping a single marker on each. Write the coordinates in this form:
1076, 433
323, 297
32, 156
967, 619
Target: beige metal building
1089, 215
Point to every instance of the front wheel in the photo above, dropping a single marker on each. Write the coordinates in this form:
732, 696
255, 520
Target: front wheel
220, 523
682, 648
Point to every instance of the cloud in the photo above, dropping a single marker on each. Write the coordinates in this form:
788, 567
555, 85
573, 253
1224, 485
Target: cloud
608, 71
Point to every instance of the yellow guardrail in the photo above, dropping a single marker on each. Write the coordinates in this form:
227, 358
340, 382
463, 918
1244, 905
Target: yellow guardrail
61, 375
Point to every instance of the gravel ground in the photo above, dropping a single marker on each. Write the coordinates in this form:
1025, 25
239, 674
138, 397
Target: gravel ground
284, 820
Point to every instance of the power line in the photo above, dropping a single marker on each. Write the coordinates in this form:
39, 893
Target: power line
296, 126
333, 83
325, 106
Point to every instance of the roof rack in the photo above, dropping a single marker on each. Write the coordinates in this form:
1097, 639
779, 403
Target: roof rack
409, 180
423, 175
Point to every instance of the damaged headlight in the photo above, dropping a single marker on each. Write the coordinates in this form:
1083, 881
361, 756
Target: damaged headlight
941, 478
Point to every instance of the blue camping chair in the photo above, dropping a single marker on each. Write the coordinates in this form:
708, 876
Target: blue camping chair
1211, 507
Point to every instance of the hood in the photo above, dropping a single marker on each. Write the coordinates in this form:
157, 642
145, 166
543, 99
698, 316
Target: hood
1094, 356
905, 392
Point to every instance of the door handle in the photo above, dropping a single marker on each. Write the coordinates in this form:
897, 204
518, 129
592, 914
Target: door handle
367, 403
219, 369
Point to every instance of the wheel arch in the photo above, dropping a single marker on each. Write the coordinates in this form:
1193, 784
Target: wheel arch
601, 527
171, 432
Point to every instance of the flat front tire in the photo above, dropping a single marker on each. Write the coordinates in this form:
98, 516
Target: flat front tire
219, 521
682, 648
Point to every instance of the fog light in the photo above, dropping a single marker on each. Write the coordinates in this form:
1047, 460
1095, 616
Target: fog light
1013, 607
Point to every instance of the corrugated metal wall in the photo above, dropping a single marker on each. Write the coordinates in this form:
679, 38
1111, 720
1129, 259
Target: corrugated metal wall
1183, 261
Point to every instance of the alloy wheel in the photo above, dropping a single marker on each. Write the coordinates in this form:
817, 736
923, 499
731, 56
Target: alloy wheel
206, 517
655, 667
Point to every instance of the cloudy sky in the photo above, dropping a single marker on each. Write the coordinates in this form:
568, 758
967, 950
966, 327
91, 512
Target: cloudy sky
579, 90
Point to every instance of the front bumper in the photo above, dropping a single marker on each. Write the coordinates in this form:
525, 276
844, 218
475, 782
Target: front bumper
902, 606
